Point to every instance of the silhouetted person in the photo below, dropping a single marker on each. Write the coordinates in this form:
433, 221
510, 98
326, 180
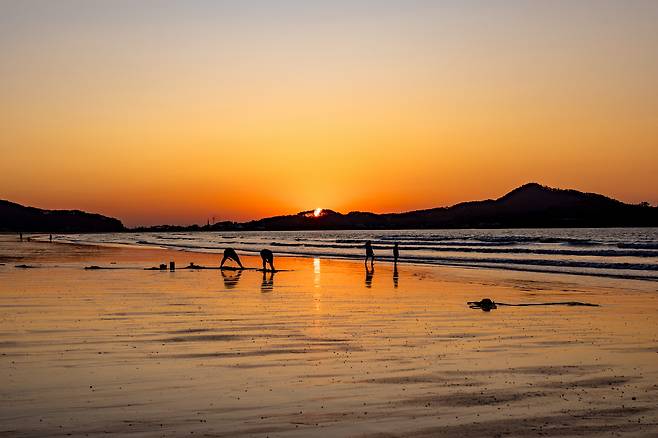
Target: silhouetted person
51, 237
267, 284
370, 254
230, 254
268, 258
369, 275
396, 253
20, 235
231, 281
395, 276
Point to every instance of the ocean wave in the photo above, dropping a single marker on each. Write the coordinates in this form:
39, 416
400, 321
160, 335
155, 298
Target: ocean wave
604, 252
649, 245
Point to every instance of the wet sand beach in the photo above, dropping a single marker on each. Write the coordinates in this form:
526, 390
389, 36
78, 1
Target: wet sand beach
321, 349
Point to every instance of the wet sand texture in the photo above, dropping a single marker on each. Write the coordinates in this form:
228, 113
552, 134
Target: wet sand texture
318, 350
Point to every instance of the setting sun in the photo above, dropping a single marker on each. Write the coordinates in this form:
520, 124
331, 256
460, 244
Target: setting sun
317, 212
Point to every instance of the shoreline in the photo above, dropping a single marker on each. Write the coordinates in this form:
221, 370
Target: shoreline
385, 259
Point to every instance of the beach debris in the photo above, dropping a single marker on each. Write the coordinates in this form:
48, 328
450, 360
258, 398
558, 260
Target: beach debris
162, 267
172, 266
92, 267
193, 266
487, 304
25, 266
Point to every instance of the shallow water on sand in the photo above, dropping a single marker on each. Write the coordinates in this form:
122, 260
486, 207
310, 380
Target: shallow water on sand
322, 349
606, 252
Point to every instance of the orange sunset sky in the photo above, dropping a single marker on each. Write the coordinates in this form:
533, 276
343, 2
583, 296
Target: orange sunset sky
174, 112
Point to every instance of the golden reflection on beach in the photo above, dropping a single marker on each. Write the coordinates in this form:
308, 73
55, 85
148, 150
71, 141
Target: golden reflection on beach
267, 285
231, 278
370, 273
125, 350
316, 272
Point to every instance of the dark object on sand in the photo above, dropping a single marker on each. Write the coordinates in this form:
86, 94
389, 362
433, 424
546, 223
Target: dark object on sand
487, 304
268, 258
162, 267
25, 266
193, 266
172, 266
92, 268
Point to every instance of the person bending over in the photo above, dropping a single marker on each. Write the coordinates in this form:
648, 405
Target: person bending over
230, 254
267, 257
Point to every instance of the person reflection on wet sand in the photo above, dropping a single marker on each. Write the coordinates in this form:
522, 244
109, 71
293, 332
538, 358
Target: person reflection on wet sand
267, 285
395, 276
231, 280
369, 274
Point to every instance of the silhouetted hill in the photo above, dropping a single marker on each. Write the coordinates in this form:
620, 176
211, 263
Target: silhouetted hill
16, 217
529, 206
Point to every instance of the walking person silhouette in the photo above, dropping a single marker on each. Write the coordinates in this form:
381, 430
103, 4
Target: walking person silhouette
370, 254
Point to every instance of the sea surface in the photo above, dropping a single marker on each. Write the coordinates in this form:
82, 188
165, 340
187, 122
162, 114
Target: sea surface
611, 252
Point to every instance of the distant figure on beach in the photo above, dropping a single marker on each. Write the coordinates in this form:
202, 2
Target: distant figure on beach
268, 258
396, 253
20, 235
370, 254
369, 274
51, 237
229, 253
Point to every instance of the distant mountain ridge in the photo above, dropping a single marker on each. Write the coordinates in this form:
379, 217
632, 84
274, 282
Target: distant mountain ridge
19, 218
529, 206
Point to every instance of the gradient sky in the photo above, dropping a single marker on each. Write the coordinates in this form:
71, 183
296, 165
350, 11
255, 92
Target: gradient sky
173, 112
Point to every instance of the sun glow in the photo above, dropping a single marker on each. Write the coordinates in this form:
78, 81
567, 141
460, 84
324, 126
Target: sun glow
317, 212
